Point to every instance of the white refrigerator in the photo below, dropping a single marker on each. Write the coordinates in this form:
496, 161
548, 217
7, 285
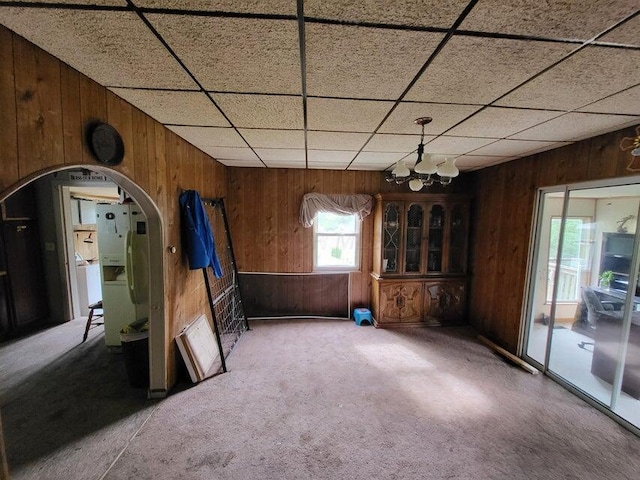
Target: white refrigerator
123, 256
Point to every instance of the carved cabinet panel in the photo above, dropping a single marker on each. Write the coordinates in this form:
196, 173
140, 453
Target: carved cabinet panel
444, 302
401, 302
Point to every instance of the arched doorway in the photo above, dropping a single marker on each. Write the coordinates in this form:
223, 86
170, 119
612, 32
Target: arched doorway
157, 328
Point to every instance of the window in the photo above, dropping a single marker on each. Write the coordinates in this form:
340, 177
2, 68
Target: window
575, 259
336, 242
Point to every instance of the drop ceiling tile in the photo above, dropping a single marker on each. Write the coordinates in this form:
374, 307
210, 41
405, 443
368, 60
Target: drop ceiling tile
181, 108
626, 102
588, 76
552, 19
231, 153
281, 155
359, 62
626, 34
336, 140
576, 126
262, 111
399, 12
367, 167
230, 162
385, 142
274, 138
510, 148
272, 7
466, 162
455, 145
496, 122
283, 164
482, 164
346, 115
331, 156
444, 117
236, 54
114, 48
328, 166
381, 159
209, 136
479, 70
551, 146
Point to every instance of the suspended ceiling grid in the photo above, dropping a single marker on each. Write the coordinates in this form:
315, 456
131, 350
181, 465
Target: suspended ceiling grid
335, 84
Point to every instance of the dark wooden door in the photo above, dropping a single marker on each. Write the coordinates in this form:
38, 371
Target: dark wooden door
25, 275
5, 318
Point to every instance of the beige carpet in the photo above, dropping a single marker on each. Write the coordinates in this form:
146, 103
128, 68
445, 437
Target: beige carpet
327, 399
67, 408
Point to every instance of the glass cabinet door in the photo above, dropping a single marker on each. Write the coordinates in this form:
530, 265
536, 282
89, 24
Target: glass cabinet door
457, 240
413, 239
390, 238
434, 252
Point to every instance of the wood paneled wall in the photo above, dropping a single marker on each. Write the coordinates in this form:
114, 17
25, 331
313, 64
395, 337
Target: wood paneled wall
503, 219
44, 108
264, 207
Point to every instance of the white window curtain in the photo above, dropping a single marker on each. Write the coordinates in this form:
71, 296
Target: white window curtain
313, 203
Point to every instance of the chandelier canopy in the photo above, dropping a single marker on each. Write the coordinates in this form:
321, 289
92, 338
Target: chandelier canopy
430, 169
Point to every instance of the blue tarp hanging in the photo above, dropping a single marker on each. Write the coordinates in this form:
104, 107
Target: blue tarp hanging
197, 233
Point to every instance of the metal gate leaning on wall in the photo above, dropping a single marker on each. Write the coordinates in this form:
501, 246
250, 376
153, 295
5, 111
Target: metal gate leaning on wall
224, 292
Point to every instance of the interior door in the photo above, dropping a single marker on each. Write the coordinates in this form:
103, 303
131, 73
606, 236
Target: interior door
25, 272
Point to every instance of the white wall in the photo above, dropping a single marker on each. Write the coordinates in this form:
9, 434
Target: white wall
610, 210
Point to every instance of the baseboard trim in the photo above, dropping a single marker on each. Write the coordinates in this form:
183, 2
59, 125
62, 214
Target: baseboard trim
509, 356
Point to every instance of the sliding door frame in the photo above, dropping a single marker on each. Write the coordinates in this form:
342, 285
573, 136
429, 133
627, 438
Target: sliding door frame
529, 294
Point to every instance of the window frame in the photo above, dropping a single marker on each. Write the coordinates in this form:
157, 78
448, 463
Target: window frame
358, 245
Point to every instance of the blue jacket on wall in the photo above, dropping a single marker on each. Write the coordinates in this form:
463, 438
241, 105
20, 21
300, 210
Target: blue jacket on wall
197, 234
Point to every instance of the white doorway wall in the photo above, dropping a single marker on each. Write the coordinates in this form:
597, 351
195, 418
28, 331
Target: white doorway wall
72, 227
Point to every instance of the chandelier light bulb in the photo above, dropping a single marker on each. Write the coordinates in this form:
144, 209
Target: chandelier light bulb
415, 184
426, 166
428, 169
401, 170
448, 168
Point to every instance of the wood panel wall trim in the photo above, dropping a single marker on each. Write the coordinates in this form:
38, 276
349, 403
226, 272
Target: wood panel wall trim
295, 295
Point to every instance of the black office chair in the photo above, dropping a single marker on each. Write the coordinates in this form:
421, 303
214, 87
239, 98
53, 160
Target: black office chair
595, 310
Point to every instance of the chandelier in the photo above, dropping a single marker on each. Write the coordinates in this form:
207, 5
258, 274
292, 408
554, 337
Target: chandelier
427, 170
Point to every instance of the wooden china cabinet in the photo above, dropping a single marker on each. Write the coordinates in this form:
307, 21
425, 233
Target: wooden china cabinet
420, 248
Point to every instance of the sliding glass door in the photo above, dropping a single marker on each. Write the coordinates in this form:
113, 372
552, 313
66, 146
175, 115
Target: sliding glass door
584, 300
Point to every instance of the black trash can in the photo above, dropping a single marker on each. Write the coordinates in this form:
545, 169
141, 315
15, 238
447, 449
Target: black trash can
135, 351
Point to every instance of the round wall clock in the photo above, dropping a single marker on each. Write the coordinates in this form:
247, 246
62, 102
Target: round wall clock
106, 144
